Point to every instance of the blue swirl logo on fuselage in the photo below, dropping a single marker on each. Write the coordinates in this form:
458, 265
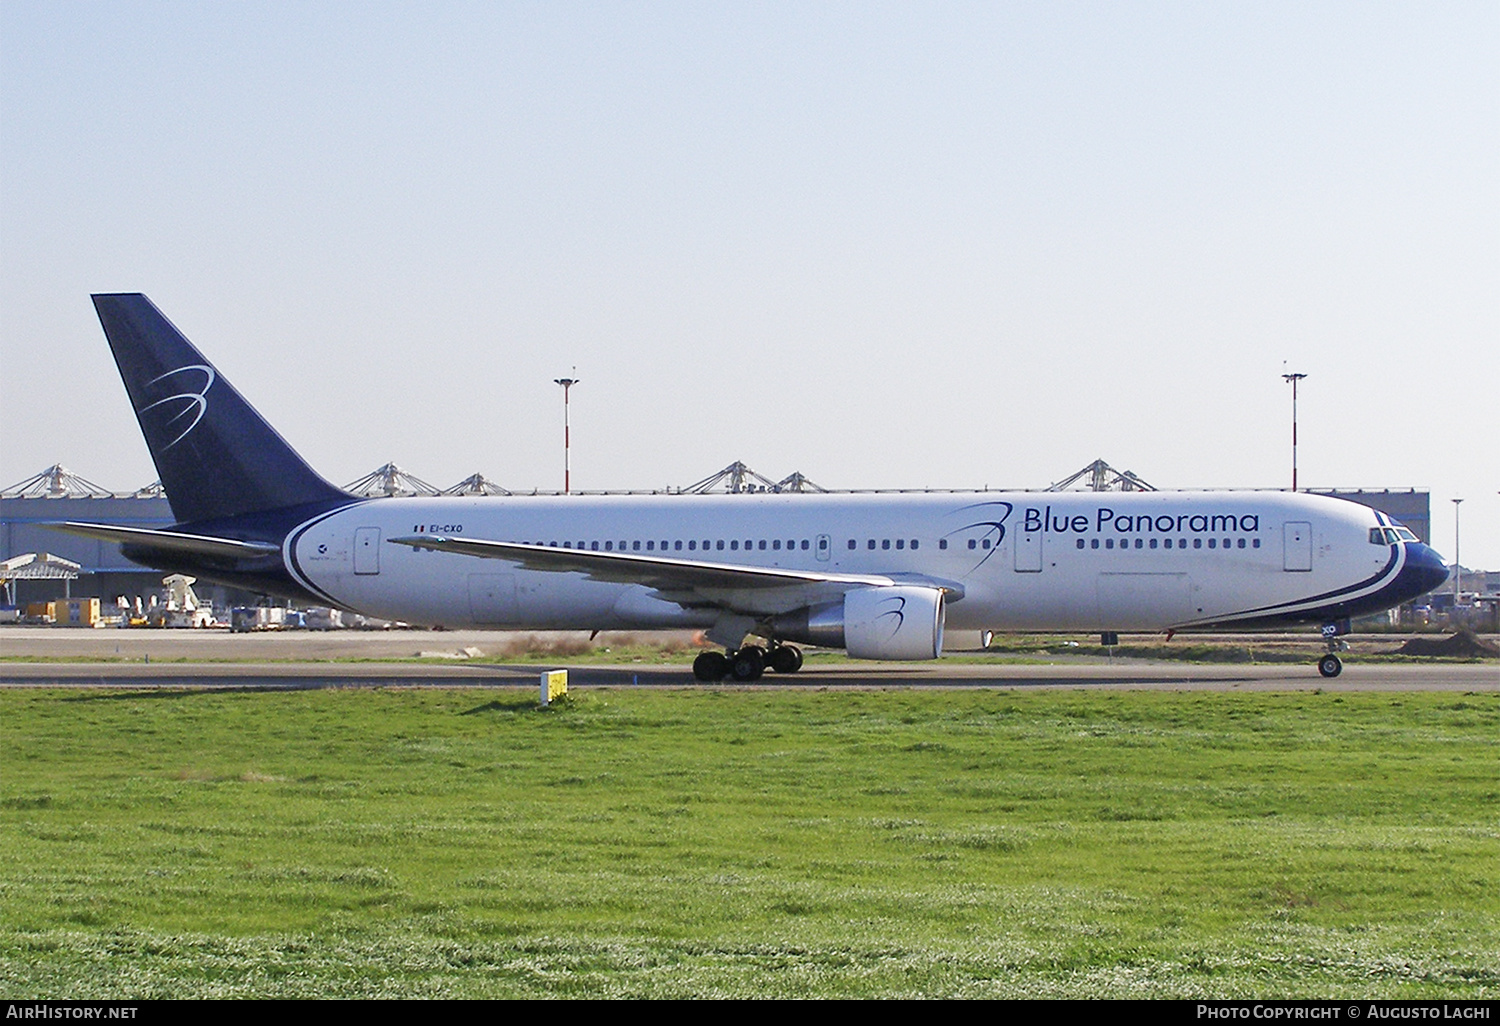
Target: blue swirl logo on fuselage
993, 529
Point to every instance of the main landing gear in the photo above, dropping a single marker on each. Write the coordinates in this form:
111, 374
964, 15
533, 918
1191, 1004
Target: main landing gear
747, 663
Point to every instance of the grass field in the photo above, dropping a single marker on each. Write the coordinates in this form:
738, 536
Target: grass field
724, 843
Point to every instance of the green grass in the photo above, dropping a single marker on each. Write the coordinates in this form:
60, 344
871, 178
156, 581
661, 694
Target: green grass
723, 843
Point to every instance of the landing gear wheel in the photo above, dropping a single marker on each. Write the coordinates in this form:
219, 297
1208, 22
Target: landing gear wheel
1330, 665
747, 664
786, 659
711, 667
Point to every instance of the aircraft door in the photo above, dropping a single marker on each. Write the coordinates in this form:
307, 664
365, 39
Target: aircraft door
825, 547
1297, 542
367, 550
1029, 551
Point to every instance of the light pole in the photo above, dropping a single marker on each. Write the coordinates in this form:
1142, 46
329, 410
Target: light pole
1294, 378
1458, 571
566, 384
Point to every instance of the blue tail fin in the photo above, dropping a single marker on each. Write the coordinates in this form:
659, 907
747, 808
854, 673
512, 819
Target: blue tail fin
216, 456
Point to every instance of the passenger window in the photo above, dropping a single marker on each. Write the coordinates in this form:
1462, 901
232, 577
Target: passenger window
852, 544
568, 545
973, 544
1241, 544
608, 546
913, 543
871, 544
720, 545
985, 543
1093, 543
1211, 543
885, 543
1255, 543
776, 544
635, 546
762, 544
734, 545
805, 546
692, 545
1139, 543
1109, 543
942, 543
1080, 543
1153, 543
900, 543
1197, 543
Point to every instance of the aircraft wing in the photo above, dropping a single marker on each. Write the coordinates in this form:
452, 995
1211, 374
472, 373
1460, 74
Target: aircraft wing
660, 572
756, 590
169, 541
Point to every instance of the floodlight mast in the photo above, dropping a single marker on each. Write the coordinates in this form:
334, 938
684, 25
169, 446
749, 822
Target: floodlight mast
1294, 378
1458, 569
567, 383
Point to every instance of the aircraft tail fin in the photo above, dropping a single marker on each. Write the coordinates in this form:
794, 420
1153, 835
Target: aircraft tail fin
216, 456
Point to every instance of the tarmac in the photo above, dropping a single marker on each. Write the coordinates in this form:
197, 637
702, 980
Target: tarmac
209, 659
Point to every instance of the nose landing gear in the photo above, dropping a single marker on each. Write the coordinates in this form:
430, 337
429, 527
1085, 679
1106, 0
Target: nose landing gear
1331, 665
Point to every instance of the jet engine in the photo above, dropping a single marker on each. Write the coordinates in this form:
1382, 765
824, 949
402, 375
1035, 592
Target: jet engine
901, 622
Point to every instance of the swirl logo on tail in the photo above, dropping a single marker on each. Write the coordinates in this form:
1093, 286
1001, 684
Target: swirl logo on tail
189, 404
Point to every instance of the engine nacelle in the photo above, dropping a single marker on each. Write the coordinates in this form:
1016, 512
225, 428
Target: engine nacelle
900, 622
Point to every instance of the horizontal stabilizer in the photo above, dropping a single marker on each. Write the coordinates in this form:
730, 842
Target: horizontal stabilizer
170, 541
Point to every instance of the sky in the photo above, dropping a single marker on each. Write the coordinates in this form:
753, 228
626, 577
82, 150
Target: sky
886, 245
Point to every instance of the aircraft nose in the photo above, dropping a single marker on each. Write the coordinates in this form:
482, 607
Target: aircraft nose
1425, 566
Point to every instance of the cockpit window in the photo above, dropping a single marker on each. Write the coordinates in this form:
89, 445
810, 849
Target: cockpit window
1391, 535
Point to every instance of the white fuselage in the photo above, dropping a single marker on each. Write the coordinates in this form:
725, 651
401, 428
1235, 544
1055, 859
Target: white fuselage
1017, 561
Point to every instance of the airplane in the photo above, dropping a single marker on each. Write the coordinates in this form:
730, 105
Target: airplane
878, 575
